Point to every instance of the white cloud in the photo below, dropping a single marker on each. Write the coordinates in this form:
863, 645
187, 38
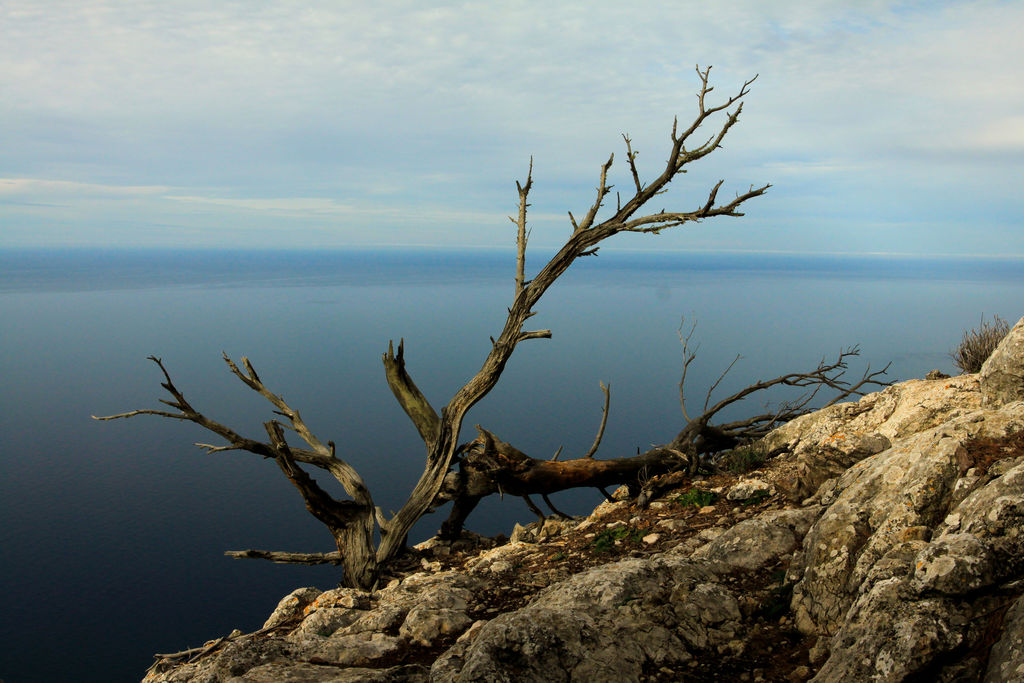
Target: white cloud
65, 188
1002, 134
282, 205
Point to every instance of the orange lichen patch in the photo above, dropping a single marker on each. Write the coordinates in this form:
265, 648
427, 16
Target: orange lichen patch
313, 606
982, 452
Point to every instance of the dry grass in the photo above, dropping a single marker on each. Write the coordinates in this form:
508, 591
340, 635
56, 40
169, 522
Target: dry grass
979, 343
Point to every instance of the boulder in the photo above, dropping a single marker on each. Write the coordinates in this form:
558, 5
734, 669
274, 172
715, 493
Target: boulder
1006, 660
612, 622
821, 445
755, 542
749, 488
291, 606
1002, 375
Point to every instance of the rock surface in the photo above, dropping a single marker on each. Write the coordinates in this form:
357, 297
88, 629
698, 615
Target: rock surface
1002, 375
884, 541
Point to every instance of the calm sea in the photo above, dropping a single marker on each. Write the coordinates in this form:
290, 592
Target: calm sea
112, 534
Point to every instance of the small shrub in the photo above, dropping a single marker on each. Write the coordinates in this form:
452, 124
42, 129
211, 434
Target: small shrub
979, 343
743, 459
697, 498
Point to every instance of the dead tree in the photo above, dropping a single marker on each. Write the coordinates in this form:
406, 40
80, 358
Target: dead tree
488, 465
353, 522
700, 437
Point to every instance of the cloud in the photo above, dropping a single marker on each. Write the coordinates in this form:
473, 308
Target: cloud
29, 187
286, 205
1002, 134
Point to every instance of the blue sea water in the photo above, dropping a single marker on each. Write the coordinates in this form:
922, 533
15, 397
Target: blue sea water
112, 533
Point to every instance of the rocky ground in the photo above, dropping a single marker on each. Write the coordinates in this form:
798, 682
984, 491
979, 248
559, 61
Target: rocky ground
881, 540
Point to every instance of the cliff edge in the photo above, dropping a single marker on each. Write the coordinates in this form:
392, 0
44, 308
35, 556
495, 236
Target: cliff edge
882, 541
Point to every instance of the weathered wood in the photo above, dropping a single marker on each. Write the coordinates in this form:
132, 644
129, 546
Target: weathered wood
408, 395
491, 465
286, 557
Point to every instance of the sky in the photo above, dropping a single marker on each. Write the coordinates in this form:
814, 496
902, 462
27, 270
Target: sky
883, 127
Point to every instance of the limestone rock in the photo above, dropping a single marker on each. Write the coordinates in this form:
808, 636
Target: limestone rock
608, 623
539, 531
749, 488
446, 668
826, 443
291, 606
875, 503
357, 649
754, 542
351, 598
1006, 660
1002, 375
889, 636
892, 575
324, 622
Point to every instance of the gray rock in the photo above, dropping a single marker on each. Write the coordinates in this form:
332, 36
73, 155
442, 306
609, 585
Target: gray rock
1006, 660
428, 626
1002, 375
357, 649
324, 622
291, 606
954, 565
446, 668
879, 502
889, 636
754, 542
608, 623
749, 488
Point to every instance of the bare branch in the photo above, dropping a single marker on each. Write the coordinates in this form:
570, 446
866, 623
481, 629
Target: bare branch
286, 557
869, 379
533, 508
524, 191
688, 357
602, 190
707, 399
700, 436
631, 158
537, 334
551, 506
413, 402
606, 388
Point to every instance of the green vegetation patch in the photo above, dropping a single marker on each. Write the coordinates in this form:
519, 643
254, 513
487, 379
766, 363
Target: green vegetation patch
605, 540
697, 498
